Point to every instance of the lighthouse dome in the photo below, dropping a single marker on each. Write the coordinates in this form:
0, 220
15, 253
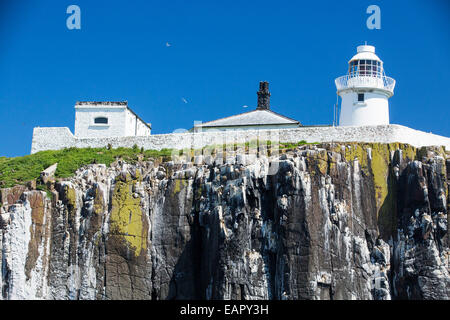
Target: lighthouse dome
365, 63
365, 52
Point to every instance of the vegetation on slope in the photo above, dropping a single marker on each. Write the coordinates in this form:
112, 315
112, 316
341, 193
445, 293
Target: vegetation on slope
19, 170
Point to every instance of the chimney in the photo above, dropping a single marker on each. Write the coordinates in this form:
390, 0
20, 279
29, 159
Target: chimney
263, 96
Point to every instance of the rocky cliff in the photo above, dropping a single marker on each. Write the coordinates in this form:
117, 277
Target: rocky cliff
331, 221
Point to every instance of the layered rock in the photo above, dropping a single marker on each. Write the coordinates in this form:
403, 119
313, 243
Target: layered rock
349, 221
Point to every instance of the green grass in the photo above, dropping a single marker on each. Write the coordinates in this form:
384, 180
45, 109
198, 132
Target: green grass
288, 145
255, 144
19, 170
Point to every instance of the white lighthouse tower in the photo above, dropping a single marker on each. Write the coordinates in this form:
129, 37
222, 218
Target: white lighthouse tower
365, 90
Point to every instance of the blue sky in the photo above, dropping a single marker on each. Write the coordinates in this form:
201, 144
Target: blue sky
219, 52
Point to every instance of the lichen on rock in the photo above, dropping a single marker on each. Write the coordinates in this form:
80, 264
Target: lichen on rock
126, 218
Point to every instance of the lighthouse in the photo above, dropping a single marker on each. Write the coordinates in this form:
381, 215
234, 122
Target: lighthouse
365, 90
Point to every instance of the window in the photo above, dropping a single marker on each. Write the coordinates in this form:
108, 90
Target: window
365, 68
101, 120
360, 97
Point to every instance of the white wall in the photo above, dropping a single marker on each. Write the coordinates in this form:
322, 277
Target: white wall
134, 126
142, 129
59, 138
121, 122
373, 111
85, 126
130, 123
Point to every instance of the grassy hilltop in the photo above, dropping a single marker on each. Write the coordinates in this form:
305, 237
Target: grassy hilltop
18, 170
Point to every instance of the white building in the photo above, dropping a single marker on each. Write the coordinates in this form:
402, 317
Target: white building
108, 119
262, 118
365, 90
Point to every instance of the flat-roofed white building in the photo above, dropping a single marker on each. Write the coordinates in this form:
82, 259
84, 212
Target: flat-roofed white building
108, 119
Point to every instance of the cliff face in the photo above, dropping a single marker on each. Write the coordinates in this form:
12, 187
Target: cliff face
346, 221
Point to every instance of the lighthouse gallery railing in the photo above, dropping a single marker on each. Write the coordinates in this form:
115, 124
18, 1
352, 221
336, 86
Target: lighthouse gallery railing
359, 81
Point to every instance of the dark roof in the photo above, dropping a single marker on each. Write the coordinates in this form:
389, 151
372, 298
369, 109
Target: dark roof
105, 103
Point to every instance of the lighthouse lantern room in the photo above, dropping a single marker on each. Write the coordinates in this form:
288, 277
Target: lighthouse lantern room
365, 90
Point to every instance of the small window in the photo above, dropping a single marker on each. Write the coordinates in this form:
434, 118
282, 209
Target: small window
101, 120
360, 97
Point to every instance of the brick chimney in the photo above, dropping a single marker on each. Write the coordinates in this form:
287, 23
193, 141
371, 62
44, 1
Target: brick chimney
263, 96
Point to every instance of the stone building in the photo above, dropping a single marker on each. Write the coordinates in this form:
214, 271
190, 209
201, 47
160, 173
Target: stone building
108, 119
260, 118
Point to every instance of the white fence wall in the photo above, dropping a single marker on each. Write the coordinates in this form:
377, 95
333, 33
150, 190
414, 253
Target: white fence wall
61, 137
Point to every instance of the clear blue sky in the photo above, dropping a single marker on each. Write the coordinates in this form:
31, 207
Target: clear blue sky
219, 52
